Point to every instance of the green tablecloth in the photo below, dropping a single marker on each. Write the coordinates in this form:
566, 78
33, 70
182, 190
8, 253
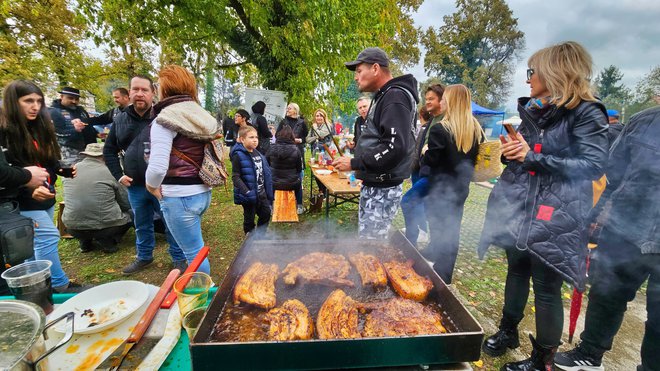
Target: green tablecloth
179, 358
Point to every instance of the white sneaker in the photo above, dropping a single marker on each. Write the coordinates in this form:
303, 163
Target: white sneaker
423, 237
300, 209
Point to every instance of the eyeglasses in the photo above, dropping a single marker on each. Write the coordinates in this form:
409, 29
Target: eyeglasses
157, 84
530, 72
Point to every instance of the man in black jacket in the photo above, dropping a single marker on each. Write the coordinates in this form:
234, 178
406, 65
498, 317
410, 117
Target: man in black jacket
383, 153
259, 122
129, 139
362, 108
628, 252
72, 135
122, 100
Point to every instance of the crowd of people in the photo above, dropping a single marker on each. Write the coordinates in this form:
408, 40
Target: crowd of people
541, 211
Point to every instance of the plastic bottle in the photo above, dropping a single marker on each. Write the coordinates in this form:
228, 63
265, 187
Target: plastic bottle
321, 157
352, 180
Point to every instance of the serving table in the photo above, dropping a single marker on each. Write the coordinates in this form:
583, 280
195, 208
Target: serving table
338, 188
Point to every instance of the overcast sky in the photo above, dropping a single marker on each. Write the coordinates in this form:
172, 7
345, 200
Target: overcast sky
624, 33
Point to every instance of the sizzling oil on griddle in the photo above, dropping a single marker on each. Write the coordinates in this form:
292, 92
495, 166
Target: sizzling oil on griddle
245, 323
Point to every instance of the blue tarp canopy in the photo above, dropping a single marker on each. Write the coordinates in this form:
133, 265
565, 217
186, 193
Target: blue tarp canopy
478, 110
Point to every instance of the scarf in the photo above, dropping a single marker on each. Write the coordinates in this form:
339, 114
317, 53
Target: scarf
168, 102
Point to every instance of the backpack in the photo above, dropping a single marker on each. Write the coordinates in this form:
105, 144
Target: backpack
212, 171
16, 238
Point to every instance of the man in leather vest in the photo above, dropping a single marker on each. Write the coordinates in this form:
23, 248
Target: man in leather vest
128, 140
383, 153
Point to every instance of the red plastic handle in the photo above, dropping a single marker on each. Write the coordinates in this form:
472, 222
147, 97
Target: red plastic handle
193, 267
153, 307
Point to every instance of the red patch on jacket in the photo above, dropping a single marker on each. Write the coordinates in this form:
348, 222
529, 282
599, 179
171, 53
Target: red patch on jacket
545, 213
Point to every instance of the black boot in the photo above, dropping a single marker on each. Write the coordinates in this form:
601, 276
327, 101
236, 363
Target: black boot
542, 359
505, 338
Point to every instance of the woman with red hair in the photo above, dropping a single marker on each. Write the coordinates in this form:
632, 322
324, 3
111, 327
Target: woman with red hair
178, 136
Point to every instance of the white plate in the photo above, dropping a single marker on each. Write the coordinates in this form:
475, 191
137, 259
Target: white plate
323, 171
107, 305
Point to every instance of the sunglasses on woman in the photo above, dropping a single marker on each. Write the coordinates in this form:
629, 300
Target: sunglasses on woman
530, 72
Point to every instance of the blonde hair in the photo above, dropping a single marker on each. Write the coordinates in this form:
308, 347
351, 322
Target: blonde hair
458, 120
325, 115
296, 108
245, 130
566, 70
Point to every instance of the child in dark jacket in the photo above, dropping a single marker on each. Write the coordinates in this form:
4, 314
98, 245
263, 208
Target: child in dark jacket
253, 184
285, 161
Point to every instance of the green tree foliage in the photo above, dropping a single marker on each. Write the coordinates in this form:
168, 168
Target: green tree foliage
647, 92
609, 88
43, 41
297, 47
478, 46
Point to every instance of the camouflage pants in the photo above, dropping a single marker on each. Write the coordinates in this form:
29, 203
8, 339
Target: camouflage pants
70, 155
378, 207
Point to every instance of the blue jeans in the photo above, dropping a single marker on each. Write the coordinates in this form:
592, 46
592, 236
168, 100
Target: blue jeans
183, 215
412, 206
144, 206
46, 238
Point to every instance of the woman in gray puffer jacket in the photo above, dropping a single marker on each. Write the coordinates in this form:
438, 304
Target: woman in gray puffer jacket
538, 210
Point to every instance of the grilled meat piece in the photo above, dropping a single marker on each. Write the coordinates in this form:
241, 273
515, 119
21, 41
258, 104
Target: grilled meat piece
291, 321
319, 267
257, 285
338, 317
401, 317
406, 282
370, 269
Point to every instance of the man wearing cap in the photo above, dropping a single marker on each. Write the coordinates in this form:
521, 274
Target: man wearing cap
97, 208
71, 136
383, 153
615, 126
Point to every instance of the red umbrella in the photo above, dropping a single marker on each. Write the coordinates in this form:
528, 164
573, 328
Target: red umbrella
576, 304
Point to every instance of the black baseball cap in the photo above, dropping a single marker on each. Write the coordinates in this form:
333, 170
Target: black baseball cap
67, 90
370, 56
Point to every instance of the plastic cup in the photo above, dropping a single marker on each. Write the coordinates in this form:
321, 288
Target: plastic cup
30, 281
191, 321
192, 291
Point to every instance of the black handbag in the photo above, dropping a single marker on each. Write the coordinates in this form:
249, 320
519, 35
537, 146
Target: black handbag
16, 236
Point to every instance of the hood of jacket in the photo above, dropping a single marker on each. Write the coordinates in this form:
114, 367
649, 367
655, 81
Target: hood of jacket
189, 119
407, 82
259, 107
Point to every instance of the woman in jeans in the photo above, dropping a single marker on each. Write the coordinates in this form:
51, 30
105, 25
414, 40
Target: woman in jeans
538, 209
178, 136
28, 135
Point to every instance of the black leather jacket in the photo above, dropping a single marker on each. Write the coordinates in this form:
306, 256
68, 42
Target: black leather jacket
633, 175
542, 204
